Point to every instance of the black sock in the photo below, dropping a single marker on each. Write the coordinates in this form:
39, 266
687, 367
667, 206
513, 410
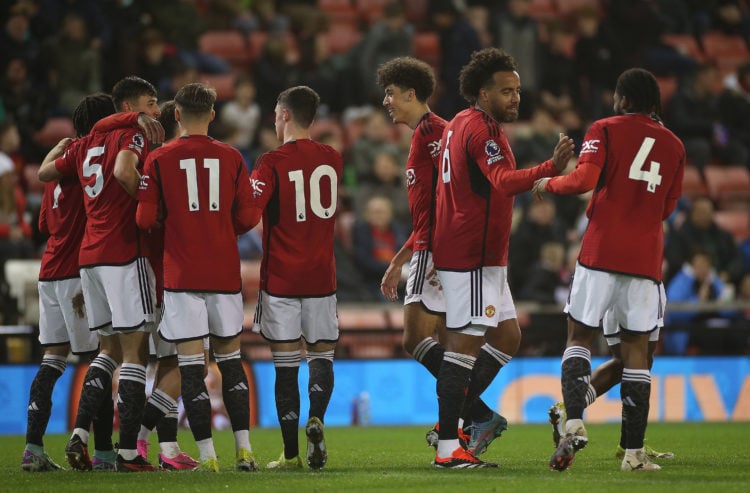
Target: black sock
430, 353
94, 391
635, 392
166, 429
157, 406
130, 403
234, 389
488, 364
320, 385
286, 390
40, 398
452, 382
195, 396
576, 374
104, 421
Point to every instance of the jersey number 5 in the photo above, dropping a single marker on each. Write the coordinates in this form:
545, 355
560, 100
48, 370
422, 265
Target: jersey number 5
212, 165
93, 169
300, 201
652, 176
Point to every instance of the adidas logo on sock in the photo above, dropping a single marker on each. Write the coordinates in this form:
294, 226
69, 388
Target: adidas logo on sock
239, 386
33, 407
95, 383
290, 417
201, 397
316, 388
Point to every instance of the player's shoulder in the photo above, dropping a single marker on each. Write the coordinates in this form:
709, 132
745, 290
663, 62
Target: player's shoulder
429, 125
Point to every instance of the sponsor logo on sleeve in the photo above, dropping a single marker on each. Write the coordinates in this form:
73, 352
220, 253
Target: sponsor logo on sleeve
434, 148
493, 152
590, 146
411, 177
257, 187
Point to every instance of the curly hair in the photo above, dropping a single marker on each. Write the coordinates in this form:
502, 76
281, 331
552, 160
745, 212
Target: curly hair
408, 73
479, 71
641, 89
90, 110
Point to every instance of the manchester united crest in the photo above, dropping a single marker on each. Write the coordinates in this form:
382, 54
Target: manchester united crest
489, 310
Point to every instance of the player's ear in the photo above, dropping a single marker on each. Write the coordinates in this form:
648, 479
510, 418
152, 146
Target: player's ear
177, 114
213, 115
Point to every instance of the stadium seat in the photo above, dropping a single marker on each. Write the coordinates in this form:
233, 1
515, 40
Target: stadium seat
339, 11
341, 39
685, 44
667, 88
567, 7
729, 186
229, 45
55, 129
30, 175
543, 10
718, 45
416, 11
427, 48
735, 221
371, 10
692, 184
222, 83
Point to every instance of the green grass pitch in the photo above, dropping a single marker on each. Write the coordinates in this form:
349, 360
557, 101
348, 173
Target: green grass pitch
710, 458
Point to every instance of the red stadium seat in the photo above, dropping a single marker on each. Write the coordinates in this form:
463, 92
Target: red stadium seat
30, 174
222, 83
729, 186
566, 7
667, 88
341, 40
55, 129
229, 45
692, 184
427, 48
543, 9
685, 44
339, 11
371, 10
416, 11
735, 221
718, 45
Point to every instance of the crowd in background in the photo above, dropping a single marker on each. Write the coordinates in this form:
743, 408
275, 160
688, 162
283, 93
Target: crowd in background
53, 52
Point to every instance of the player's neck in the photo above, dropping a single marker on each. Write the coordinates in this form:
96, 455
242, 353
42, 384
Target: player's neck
415, 116
196, 129
291, 134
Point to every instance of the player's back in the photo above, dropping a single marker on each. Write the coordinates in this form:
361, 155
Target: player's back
198, 178
643, 168
65, 221
299, 218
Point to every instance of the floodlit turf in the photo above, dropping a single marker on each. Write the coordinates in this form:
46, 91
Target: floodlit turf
710, 458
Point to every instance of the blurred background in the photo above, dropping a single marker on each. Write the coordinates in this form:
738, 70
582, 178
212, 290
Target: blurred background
569, 52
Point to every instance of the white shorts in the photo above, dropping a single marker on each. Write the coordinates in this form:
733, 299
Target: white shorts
119, 298
421, 287
289, 319
612, 328
58, 321
635, 304
195, 315
156, 345
477, 299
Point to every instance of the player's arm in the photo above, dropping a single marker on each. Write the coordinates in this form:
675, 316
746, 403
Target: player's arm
250, 200
48, 171
126, 171
147, 213
392, 276
151, 127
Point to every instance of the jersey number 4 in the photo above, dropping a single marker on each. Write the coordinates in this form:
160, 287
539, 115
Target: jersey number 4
300, 201
650, 176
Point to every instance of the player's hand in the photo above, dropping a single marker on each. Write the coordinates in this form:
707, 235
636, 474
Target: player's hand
389, 284
65, 142
540, 186
152, 128
563, 152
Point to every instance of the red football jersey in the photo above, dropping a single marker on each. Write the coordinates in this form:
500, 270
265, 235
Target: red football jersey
62, 215
201, 183
296, 185
642, 164
476, 184
421, 177
112, 236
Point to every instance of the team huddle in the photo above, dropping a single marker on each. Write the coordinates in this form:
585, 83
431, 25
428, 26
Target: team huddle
143, 252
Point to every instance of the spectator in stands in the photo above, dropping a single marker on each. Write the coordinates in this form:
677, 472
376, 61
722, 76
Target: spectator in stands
386, 181
275, 71
157, 62
27, 103
458, 40
243, 112
17, 41
558, 79
696, 282
321, 71
74, 62
377, 138
15, 231
517, 32
389, 38
728, 16
376, 239
734, 111
598, 59
533, 146
545, 282
693, 114
701, 231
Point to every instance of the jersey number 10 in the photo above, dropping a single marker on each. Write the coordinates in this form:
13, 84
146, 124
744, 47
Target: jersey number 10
300, 201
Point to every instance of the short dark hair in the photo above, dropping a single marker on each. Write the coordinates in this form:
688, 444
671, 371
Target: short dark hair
90, 110
302, 102
167, 119
131, 88
408, 73
195, 99
640, 88
479, 71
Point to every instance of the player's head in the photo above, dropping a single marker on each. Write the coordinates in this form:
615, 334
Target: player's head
135, 94
297, 104
90, 110
167, 120
194, 103
637, 91
405, 80
490, 80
